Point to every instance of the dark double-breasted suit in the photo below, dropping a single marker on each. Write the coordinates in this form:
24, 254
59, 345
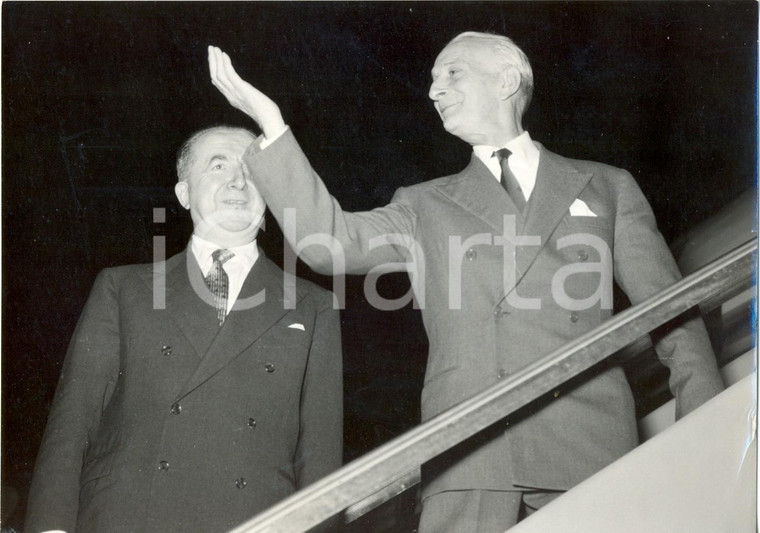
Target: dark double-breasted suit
163, 421
449, 234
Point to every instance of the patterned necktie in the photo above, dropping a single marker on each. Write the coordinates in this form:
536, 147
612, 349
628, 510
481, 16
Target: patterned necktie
508, 180
218, 282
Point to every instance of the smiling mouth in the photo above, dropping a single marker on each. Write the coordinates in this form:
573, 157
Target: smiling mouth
443, 109
234, 202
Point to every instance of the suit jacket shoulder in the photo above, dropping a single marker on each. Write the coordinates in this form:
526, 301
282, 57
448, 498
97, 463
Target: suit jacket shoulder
475, 166
617, 177
118, 275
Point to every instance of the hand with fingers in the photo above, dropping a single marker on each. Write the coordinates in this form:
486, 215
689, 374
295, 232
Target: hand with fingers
242, 95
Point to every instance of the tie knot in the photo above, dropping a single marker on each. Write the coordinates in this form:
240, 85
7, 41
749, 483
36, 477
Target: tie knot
222, 256
502, 154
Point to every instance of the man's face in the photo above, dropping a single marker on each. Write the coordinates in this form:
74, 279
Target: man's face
467, 92
224, 204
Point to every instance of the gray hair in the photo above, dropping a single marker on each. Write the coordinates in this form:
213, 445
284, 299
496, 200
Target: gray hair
508, 54
185, 153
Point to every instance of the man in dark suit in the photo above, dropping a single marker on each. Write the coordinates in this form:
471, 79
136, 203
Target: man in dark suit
197, 391
510, 259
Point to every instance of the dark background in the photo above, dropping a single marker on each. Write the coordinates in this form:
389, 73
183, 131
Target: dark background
97, 97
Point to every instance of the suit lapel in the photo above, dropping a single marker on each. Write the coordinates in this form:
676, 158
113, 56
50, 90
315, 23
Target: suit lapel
192, 316
558, 184
476, 190
246, 322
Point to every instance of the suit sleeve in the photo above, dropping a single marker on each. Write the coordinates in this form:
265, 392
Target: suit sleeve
89, 373
320, 443
306, 211
644, 266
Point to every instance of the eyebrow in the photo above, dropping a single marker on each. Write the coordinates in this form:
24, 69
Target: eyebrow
455, 61
220, 157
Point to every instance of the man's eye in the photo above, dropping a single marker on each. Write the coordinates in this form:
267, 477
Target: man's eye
453, 72
218, 166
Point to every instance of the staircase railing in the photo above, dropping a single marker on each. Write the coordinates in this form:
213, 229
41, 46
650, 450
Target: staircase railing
392, 467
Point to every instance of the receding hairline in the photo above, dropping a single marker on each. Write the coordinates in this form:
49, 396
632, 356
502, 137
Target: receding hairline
493, 42
205, 132
476, 35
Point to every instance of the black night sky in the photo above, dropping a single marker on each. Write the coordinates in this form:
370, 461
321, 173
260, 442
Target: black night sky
97, 97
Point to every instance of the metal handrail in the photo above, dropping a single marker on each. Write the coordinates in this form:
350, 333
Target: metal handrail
378, 469
624, 355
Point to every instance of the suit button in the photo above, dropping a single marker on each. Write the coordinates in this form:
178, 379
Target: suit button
166, 350
471, 254
582, 255
556, 394
251, 423
502, 373
500, 312
241, 483
176, 408
163, 465
573, 317
269, 367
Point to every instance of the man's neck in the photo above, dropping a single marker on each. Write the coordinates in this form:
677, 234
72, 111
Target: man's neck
497, 138
514, 130
226, 240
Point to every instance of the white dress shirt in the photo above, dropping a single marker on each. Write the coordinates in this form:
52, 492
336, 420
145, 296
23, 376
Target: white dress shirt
237, 267
523, 162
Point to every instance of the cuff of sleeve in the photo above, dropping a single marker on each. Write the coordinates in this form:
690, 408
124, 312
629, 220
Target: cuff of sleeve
266, 141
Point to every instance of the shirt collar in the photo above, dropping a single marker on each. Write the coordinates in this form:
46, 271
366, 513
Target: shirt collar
202, 249
522, 147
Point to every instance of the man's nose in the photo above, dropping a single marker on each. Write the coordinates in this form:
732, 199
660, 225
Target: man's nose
436, 91
239, 178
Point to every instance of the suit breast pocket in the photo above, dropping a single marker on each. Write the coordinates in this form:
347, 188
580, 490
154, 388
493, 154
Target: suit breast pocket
293, 330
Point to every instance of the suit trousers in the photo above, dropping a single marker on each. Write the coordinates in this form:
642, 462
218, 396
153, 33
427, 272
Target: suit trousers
480, 511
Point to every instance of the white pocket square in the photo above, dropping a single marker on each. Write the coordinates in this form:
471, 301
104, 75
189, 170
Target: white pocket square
296, 325
579, 208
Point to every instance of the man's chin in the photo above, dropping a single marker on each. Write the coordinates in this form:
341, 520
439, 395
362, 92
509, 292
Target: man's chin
237, 226
450, 125
228, 229
238, 222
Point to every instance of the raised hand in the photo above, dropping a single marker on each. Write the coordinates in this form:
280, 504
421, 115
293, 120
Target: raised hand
242, 95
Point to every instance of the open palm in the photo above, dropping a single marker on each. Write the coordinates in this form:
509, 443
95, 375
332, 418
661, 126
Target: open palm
242, 95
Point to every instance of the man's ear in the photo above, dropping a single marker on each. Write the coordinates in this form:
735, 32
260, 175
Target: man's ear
181, 189
510, 82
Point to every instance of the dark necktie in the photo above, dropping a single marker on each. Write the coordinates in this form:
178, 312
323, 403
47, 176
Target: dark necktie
218, 282
508, 180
